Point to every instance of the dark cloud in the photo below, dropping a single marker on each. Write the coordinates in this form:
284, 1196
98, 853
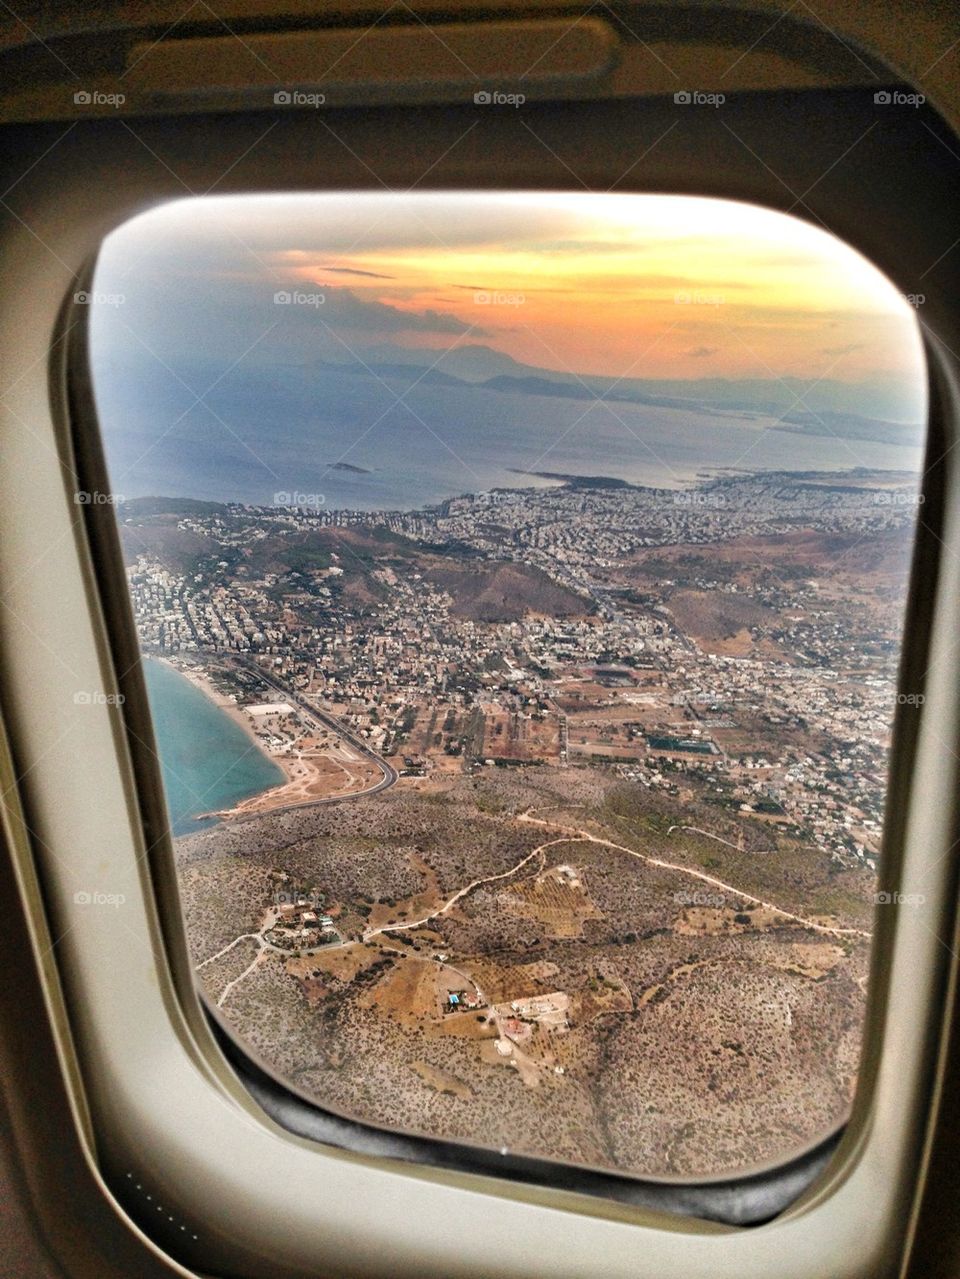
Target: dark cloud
701, 352
342, 308
840, 350
352, 270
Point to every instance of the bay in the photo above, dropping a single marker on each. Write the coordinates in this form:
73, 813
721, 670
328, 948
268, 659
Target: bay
208, 762
341, 441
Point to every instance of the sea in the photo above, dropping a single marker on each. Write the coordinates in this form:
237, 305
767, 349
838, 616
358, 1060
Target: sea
340, 441
207, 761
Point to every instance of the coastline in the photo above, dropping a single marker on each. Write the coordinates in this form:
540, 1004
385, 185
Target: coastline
307, 778
201, 680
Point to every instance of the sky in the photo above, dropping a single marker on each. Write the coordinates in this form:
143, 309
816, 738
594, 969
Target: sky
613, 285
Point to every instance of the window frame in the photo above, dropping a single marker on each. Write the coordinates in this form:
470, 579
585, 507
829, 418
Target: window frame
846, 1220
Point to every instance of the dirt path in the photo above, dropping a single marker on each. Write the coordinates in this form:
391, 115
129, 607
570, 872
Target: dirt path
695, 874
570, 835
237, 980
257, 937
264, 948
696, 830
442, 910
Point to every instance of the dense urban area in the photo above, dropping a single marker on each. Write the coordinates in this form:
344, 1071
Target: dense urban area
583, 797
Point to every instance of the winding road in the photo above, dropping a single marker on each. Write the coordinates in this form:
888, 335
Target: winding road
575, 834
442, 910
322, 719
570, 834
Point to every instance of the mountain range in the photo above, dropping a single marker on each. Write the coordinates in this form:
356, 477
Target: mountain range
868, 411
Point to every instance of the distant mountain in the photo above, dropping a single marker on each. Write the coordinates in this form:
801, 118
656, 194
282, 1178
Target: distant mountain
378, 368
592, 389
540, 386
471, 362
849, 427
142, 507
828, 407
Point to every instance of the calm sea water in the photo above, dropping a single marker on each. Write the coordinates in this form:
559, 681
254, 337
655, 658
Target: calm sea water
207, 760
345, 441
352, 442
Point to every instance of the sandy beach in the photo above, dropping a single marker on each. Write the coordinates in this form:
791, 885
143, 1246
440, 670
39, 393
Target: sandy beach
313, 772
202, 680
310, 778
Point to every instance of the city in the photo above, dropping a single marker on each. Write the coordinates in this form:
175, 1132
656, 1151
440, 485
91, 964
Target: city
583, 787
543, 625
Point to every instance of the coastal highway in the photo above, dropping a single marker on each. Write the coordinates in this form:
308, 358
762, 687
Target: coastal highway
326, 720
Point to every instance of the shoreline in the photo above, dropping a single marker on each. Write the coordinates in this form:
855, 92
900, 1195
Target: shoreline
677, 478
304, 779
201, 680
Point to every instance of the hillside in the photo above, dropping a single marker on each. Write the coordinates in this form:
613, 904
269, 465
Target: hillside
497, 592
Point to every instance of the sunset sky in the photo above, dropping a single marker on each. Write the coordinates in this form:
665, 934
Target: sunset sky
620, 285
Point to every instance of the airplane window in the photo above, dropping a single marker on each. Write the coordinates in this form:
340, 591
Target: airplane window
520, 580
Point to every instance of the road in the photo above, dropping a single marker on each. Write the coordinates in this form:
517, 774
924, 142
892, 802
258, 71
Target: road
264, 947
695, 830
575, 834
322, 719
442, 910
569, 834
